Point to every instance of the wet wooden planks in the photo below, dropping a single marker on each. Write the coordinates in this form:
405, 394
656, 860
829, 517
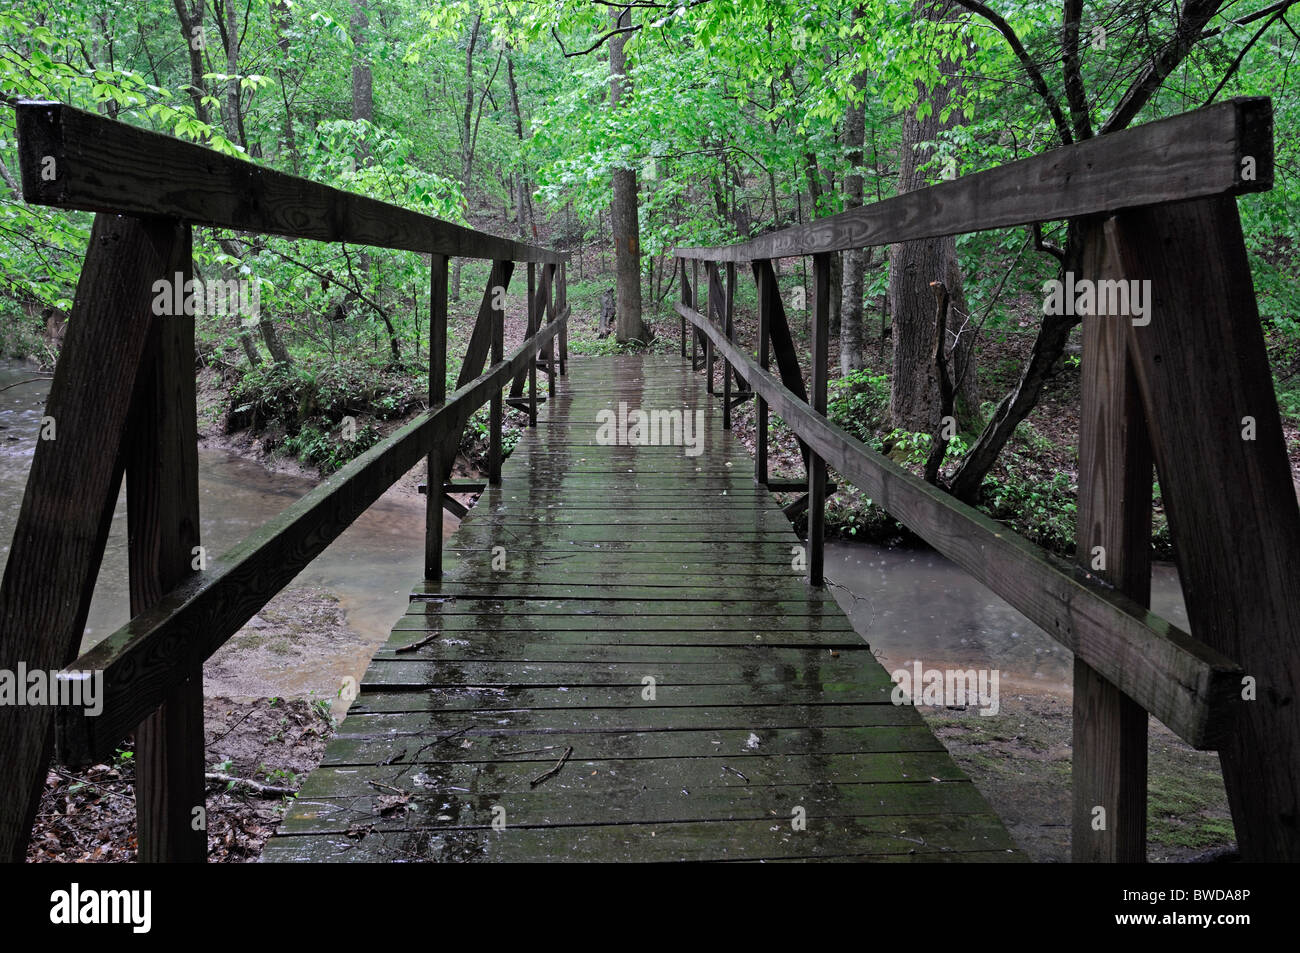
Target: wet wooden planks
636, 608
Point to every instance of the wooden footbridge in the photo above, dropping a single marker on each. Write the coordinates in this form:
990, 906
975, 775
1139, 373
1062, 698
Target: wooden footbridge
626, 653
645, 633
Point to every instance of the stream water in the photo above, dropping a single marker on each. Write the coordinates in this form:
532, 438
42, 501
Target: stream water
916, 605
909, 604
368, 569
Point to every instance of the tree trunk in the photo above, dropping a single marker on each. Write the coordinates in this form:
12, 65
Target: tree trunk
466, 143
246, 341
914, 400
523, 205
282, 19
1053, 334
852, 338
273, 343
363, 102
234, 116
623, 208
192, 35
363, 93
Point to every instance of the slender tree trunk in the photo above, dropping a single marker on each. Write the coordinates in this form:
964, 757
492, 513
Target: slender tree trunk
282, 18
246, 341
852, 338
192, 35
1053, 335
363, 103
234, 116
466, 143
363, 93
623, 208
523, 206
914, 401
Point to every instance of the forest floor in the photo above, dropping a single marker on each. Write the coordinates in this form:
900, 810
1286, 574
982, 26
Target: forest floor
1020, 759
89, 814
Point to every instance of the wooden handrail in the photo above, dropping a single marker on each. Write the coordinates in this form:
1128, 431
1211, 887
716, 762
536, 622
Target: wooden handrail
143, 658
1193, 155
103, 165
1186, 684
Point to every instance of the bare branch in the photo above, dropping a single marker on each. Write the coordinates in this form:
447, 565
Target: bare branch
1242, 55
1035, 75
598, 43
1192, 19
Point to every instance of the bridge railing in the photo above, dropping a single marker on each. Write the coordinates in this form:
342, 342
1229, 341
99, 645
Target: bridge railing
1190, 388
123, 401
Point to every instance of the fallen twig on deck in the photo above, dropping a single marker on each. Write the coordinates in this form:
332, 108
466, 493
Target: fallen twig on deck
553, 771
418, 645
256, 787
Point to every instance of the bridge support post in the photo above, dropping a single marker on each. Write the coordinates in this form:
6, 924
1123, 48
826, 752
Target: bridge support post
697, 337
72, 488
765, 292
562, 302
550, 345
532, 329
713, 312
817, 399
435, 469
495, 403
685, 292
162, 496
728, 310
1203, 374
1109, 770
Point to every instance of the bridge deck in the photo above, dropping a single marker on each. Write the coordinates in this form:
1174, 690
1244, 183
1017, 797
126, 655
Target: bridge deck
624, 563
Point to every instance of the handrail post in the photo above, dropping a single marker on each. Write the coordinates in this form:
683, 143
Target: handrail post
690, 302
551, 344
434, 468
685, 300
765, 293
728, 308
817, 400
1109, 772
562, 303
496, 402
714, 307
532, 329
162, 490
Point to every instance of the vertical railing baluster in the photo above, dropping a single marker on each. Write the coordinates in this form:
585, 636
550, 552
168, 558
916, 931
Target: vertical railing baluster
437, 396
765, 293
1109, 763
160, 451
729, 309
817, 400
564, 328
552, 343
495, 403
685, 301
532, 329
714, 307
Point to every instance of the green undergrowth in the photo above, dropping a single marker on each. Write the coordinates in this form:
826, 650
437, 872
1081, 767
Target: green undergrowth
325, 414
1037, 503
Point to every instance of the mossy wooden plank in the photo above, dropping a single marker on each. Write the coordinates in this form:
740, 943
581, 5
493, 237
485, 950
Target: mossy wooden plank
484, 745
